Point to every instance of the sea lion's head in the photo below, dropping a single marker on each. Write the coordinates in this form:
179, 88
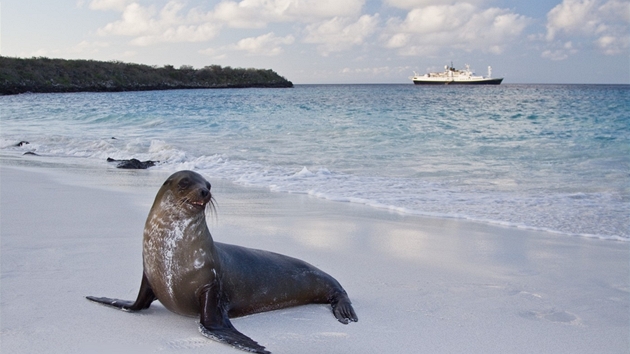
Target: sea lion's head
186, 191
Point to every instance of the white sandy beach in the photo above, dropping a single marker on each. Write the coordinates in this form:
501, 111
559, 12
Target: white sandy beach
419, 285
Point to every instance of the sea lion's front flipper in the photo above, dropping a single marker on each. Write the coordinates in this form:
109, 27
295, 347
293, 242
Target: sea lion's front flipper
143, 301
234, 338
215, 324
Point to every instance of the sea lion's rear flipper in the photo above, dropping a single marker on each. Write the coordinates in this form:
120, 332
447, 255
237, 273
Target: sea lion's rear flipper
342, 309
215, 324
143, 301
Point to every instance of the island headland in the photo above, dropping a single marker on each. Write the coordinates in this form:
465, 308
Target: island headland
43, 75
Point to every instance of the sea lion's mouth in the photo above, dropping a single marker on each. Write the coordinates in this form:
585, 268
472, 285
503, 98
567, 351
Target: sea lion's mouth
198, 200
199, 204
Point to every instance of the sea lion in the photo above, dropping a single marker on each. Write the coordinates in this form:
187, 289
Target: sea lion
133, 164
190, 274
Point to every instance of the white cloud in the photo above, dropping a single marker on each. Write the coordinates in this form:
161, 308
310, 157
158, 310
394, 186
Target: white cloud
376, 71
414, 4
437, 19
213, 53
612, 45
258, 13
149, 26
180, 33
171, 24
88, 47
340, 33
604, 23
462, 25
559, 54
236, 16
571, 16
264, 45
118, 5
398, 40
136, 20
267, 44
554, 55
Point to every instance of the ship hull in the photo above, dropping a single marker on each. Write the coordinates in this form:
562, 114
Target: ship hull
458, 82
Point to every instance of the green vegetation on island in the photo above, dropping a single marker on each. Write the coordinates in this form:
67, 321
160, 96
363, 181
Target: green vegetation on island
59, 75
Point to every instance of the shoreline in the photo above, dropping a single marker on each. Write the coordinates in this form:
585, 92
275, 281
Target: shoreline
411, 160
416, 282
83, 165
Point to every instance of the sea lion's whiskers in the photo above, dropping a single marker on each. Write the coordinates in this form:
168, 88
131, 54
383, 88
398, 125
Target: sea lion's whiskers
211, 209
182, 202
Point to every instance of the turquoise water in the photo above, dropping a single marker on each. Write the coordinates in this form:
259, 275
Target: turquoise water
551, 157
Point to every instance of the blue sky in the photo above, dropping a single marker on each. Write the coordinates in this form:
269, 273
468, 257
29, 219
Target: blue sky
335, 41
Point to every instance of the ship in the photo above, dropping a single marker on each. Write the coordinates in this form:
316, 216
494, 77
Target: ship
452, 76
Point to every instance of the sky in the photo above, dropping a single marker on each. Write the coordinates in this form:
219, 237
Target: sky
335, 41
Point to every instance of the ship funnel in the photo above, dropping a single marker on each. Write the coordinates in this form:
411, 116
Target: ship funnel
489, 71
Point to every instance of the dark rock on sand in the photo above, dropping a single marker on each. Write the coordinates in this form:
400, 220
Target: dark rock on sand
133, 164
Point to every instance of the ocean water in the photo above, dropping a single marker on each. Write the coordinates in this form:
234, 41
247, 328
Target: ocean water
549, 157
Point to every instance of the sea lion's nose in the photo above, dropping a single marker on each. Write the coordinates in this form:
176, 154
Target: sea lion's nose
204, 193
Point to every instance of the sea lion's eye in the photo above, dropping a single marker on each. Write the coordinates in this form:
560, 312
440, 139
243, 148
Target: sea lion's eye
184, 183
